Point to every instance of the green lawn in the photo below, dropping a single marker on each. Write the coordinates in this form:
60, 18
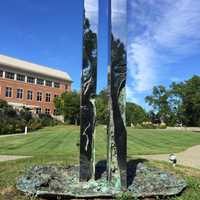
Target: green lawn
59, 145
63, 140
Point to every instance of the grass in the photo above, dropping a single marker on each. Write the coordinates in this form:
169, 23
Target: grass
58, 145
63, 140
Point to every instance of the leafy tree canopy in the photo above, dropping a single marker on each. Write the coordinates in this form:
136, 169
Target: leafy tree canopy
179, 104
68, 104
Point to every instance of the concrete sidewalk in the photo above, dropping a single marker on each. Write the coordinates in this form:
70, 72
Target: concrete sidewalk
189, 158
7, 158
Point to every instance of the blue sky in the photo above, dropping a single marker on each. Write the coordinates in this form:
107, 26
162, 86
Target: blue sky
163, 39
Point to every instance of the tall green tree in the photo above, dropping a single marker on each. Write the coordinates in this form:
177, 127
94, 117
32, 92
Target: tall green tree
102, 107
188, 94
135, 114
178, 104
159, 100
68, 104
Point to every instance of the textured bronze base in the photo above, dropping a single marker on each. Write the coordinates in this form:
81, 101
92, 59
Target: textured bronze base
53, 182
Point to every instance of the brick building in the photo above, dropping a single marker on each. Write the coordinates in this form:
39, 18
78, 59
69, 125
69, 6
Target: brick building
24, 84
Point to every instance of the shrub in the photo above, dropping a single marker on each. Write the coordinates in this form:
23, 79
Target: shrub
162, 126
138, 126
34, 124
15, 122
47, 120
148, 125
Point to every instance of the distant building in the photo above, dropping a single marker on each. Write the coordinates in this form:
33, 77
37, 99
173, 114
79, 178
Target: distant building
24, 84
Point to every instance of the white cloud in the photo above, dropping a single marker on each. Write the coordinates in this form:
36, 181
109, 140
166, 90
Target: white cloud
119, 10
160, 32
92, 12
141, 65
119, 19
119, 16
180, 24
131, 95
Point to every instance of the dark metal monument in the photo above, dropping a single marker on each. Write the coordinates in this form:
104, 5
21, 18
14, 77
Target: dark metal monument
88, 91
117, 176
117, 141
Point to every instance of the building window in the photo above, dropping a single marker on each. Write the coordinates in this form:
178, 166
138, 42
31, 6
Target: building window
56, 85
1, 73
66, 87
39, 96
19, 94
38, 110
40, 81
55, 95
20, 77
47, 111
8, 92
48, 97
30, 79
49, 83
10, 75
29, 95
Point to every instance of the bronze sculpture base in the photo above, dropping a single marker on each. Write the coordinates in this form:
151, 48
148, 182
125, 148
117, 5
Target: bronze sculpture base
63, 182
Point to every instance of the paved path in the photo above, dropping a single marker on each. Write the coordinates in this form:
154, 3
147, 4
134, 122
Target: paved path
10, 135
7, 158
189, 158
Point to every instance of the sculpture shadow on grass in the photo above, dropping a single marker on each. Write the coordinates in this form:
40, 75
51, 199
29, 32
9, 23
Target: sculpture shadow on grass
131, 169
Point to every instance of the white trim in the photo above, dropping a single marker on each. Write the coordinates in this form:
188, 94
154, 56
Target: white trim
34, 68
21, 105
4, 74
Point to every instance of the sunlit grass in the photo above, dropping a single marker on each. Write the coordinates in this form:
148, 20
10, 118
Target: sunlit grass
60, 145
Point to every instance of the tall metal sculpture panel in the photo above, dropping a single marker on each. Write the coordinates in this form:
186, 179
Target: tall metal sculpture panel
88, 90
117, 136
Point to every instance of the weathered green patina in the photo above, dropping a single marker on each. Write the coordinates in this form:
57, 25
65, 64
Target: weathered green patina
55, 181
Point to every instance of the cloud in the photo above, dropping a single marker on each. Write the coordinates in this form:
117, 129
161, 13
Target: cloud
119, 19
141, 56
119, 16
92, 12
160, 32
180, 24
131, 95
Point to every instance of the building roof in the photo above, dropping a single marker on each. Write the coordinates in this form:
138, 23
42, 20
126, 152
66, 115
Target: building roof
34, 68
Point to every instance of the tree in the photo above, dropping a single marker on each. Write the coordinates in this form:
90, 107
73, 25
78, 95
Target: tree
10, 121
102, 107
154, 118
68, 104
188, 93
180, 104
159, 100
135, 114
25, 115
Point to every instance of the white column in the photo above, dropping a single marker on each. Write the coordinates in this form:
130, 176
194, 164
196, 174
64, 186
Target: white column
35, 81
26, 79
15, 77
4, 74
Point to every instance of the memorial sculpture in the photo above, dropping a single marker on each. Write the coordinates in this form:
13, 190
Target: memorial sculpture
83, 181
117, 141
88, 93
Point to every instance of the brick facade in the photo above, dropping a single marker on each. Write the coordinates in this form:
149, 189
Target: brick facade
33, 88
